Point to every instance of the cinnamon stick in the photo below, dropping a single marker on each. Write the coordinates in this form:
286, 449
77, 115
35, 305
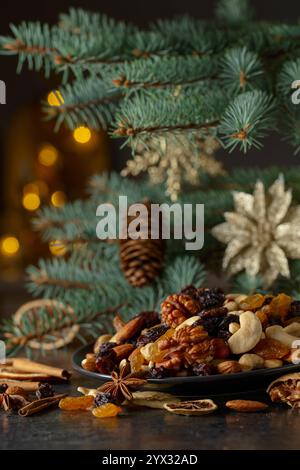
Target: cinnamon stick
40, 405
27, 386
26, 365
22, 376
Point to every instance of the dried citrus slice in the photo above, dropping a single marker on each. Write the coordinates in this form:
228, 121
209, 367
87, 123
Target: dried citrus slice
192, 408
109, 410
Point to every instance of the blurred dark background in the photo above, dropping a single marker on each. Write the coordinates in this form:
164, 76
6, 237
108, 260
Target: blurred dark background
21, 126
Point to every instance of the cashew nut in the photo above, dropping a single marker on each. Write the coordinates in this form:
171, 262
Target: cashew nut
251, 361
231, 305
278, 333
293, 329
273, 363
233, 327
249, 334
236, 312
188, 322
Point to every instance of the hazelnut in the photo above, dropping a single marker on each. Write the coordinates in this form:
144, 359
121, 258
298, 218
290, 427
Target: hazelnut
229, 367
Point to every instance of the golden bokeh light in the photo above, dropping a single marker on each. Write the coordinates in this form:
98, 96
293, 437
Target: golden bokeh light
82, 135
57, 248
48, 155
55, 98
9, 246
58, 199
31, 201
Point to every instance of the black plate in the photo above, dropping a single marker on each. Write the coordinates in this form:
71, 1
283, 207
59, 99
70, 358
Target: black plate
242, 381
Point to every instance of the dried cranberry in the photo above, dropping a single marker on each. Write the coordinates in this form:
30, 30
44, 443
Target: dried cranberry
151, 335
203, 369
45, 390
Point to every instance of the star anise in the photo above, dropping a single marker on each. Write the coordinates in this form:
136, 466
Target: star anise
122, 384
12, 402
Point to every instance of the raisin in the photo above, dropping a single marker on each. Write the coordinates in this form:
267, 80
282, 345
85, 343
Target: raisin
76, 403
103, 398
218, 326
158, 373
109, 410
45, 390
151, 335
213, 312
294, 310
3, 388
105, 349
106, 364
203, 369
207, 298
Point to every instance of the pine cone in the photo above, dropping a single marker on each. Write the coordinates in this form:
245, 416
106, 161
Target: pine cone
177, 308
141, 260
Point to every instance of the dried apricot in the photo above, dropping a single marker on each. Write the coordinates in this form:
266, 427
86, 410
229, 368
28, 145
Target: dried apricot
157, 355
263, 317
76, 403
252, 302
269, 348
136, 360
109, 410
280, 305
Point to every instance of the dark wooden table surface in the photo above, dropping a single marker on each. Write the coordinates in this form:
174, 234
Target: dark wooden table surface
141, 428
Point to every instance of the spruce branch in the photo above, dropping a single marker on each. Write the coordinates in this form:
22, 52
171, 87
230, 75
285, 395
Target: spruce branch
247, 119
88, 102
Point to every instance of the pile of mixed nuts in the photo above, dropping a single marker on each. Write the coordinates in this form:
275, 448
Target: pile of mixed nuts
202, 331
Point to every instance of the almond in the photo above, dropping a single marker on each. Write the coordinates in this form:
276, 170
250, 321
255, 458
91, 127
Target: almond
246, 406
123, 351
128, 330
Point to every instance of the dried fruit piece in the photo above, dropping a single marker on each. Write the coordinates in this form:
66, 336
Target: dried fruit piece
151, 335
45, 390
102, 398
192, 408
136, 360
158, 373
253, 302
221, 348
203, 369
3, 388
109, 410
153, 399
278, 333
286, 389
157, 354
246, 406
76, 403
280, 306
208, 298
269, 348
